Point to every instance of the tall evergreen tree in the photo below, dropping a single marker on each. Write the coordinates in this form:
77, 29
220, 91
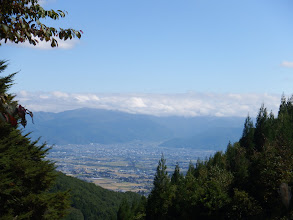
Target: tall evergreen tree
25, 175
159, 199
238, 165
284, 123
177, 187
261, 129
176, 176
247, 138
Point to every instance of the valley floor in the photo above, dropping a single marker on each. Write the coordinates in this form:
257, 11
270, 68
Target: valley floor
121, 167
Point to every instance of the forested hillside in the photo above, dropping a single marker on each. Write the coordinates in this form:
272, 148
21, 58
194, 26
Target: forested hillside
89, 201
252, 179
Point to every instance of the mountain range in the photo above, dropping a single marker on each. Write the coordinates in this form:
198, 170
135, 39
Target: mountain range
85, 125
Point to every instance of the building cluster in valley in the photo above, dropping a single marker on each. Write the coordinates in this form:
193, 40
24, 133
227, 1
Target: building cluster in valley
121, 167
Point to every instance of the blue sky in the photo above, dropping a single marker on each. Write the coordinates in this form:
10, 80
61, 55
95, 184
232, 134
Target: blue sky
164, 47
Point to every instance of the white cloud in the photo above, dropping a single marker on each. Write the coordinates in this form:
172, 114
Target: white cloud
58, 94
287, 64
45, 2
43, 45
186, 104
137, 102
42, 2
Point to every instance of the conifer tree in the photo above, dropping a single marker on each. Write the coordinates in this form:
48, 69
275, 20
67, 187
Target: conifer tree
176, 176
283, 105
284, 123
160, 197
261, 129
247, 138
177, 188
25, 175
191, 169
238, 165
189, 192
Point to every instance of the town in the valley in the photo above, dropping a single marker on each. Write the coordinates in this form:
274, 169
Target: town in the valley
121, 167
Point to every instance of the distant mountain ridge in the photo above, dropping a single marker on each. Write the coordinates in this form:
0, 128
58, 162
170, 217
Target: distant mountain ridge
214, 139
84, 126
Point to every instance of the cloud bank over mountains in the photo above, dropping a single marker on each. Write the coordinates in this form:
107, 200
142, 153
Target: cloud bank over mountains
184, 104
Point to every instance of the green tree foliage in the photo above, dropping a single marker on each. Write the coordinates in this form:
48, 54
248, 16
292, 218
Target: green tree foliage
284, 123
212, 192
177, 176
244, 206
25, 175
90, 201
177, 181
251, 180
160, 196
246, 140
124, 211
238, 164
74, 214
134, 211
261, 128
10, 111
22, 20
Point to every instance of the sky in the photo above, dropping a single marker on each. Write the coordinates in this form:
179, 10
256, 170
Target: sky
161, 57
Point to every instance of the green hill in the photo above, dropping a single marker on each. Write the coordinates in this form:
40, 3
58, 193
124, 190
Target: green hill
89, 201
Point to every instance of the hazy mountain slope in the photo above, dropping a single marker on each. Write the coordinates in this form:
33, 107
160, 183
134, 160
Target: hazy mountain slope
191, 126
83, 126
215, 138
